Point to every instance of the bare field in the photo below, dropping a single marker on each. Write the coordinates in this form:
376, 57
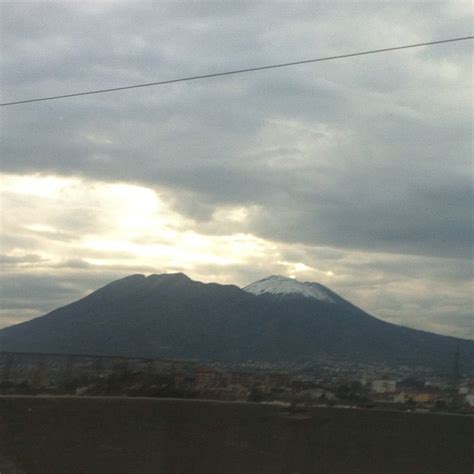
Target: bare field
66, 435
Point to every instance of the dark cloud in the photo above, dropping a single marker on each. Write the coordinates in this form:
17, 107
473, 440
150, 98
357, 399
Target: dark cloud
15, 260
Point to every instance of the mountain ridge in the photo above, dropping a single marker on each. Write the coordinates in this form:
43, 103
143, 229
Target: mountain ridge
170, 315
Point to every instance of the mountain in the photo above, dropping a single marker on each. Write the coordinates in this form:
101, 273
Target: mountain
275, 319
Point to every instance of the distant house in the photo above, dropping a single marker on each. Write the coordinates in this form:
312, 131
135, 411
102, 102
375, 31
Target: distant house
243, 379
424, 397
465, 390
469, 399
278, 380
400, 397
206, 377
383, 386
315, 394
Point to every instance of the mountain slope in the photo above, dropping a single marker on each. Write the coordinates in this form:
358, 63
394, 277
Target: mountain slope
172, 316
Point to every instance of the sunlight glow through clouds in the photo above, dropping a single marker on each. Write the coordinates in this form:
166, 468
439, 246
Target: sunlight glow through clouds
302, 271
40, 228
138, 225
89, 233
35, 185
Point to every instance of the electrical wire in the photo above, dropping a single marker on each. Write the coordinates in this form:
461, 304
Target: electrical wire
237, 71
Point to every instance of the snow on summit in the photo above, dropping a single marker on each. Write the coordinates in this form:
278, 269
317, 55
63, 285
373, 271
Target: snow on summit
279, 285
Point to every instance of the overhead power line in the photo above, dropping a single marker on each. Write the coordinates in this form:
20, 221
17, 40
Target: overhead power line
236, 71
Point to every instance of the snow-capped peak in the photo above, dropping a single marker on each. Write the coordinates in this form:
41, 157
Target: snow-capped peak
280, 285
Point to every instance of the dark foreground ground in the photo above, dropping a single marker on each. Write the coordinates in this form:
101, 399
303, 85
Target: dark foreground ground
134, 436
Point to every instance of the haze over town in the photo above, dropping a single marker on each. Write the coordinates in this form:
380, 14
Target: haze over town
353, 173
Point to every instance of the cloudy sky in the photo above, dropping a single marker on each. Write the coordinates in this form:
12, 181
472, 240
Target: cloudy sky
353, 173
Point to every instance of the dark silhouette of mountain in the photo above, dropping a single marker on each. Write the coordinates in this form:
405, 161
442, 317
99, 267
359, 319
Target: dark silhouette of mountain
172, 316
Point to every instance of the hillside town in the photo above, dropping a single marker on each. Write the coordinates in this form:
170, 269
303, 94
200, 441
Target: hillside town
295, 387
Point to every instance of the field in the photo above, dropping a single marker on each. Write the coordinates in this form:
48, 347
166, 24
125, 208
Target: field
66, 435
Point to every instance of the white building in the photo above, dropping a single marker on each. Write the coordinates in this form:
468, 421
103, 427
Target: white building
400, 397
384, 386
470, 400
